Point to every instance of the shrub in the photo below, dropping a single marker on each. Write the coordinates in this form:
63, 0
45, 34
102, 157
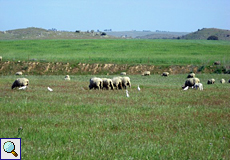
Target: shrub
212, 38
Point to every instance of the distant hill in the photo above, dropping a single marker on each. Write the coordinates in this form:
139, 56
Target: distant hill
146, 34
206, 32
39, 33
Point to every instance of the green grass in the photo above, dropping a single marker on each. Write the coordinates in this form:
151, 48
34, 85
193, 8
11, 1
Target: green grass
154, 52
159, 122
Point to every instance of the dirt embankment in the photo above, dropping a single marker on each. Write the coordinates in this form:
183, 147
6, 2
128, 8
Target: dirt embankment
59, 68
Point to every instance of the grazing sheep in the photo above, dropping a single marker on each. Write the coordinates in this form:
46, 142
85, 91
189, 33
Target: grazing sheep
18, 73
125, 82
117, 82
190, 82
95, 83
211, 81
198, 85
123, 73
217, 63
20, 82
0, 58
107, 83
146, 73
67, 77
222, 80
191, 75
165, 74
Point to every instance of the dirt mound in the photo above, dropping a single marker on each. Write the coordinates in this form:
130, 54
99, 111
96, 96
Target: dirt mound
59, 68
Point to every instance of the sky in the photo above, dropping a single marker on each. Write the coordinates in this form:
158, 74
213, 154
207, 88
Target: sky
118, 15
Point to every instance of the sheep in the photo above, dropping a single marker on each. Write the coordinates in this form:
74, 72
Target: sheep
123, 73
211, 81
0, 58
222, 80
217, 63
190, 82
107, 83
20, 82
95, 83
229, 81
191, 75
67, 77
165, 74
117, 82
125, 82
18, 73
146, 73
198, 85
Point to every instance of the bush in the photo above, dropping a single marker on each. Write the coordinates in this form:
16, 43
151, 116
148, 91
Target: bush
212, 38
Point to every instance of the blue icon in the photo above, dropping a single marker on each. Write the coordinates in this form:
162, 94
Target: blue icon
9, 147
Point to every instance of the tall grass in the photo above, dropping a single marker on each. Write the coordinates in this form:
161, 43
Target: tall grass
159, 122
156, 52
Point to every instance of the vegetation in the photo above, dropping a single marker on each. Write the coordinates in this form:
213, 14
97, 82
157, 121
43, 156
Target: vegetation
152, 52
159, 122
212, 38
207, 32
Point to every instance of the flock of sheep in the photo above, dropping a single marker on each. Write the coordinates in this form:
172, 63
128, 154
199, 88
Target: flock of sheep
121, 82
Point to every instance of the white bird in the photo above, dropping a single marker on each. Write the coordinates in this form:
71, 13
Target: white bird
186, 88
50, 89
138, 88
23, 87
127, 93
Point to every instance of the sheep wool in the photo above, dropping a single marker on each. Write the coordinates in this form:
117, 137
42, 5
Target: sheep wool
20, 82
18, 73
191, 75
165, 74
211, 81
117, 82
107, 83
95, 83
146, 73
67, 78
222, 80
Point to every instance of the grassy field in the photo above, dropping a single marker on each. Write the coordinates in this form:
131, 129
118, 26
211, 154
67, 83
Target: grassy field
153, 52
159, 122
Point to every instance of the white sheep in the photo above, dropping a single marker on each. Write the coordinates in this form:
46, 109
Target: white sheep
107, 83
211, 81
67, 78
222, 80
125, 82
123, 73
190, 82
18, 73
95, 83
20, 82
165, 74
117, 82
191, 75
198, 85
146, 73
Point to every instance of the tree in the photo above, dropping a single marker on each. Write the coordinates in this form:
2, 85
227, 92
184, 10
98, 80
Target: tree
212, 38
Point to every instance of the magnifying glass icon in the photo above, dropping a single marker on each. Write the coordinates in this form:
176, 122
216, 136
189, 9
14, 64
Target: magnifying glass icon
9, 147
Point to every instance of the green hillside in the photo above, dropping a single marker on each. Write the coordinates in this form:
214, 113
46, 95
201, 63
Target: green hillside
39, 33
206, 32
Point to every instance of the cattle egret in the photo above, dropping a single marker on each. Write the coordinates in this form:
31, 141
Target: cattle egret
186, 88
127, 93
23, 87
138, 88
50, 89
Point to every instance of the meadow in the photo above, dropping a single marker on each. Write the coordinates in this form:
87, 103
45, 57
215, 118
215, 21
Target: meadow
159, 122
118, 51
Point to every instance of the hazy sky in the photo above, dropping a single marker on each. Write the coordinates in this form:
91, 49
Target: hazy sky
118, 15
